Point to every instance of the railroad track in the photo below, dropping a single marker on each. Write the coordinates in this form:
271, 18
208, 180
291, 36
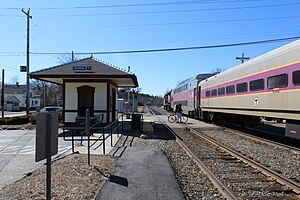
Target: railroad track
235, 176
259, 139
154, 111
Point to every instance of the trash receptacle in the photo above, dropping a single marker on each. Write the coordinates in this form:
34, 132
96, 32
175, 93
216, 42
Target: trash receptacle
136, 121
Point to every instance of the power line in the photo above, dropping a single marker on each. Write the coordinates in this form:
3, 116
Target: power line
174, 11
49, 35
9, 68
177, 23
43, 44
177, 49
135, 5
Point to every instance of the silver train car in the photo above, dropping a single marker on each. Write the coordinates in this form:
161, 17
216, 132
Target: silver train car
265, 87
185, 93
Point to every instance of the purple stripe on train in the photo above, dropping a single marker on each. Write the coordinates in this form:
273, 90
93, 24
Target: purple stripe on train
284, 70
187, 95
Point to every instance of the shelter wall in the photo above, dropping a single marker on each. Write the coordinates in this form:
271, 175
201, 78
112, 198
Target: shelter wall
71, 99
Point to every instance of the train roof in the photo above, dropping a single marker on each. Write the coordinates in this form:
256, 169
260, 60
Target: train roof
201, 77
188, 80
247, 67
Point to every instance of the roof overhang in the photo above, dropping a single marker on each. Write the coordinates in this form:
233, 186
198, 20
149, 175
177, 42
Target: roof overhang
120, 80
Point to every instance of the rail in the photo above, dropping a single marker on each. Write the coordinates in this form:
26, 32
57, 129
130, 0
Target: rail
222, 188
268, 172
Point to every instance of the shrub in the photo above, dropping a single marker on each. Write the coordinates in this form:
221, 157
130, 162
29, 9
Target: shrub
3, 121
15, 120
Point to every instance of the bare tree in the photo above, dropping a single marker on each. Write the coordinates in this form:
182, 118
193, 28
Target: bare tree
66, 58
14, 80
217, 70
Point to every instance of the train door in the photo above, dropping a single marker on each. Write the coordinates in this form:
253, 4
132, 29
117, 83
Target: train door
195, 98
195, 112
199, 103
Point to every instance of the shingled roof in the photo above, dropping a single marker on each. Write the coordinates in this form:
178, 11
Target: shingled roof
88, 68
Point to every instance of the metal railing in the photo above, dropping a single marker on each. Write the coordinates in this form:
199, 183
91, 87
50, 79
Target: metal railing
86, 128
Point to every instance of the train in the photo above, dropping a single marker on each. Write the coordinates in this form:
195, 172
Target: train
266, 87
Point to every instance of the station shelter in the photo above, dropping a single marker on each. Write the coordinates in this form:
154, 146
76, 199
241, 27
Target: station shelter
88, 83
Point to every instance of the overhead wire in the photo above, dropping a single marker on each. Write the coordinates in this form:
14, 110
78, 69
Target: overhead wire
49, 35
176, 23
9, 68
174, 11
176, 49
135, 5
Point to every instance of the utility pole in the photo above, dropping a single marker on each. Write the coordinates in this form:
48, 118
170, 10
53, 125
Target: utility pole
242, 58
73, 56
2, 94
27, 61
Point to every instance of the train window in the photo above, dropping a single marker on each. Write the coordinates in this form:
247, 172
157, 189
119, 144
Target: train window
221, 91
278, 81
214, 92
242, 87
296, 77
258, 84
208, 93
230, 89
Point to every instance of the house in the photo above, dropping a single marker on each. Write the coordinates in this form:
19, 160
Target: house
11, 103
15, 98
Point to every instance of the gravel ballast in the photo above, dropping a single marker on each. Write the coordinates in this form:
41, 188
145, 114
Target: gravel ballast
283, 160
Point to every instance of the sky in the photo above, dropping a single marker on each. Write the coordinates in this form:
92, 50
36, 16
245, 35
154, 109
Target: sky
59, 27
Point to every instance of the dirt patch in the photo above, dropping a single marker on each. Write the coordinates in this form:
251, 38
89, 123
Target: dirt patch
72, 178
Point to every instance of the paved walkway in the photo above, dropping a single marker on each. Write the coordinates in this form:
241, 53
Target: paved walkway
141, 173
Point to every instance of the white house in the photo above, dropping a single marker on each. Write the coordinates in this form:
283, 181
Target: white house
88, 83
15, 98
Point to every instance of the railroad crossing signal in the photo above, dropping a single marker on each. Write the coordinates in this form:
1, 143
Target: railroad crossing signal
23, 68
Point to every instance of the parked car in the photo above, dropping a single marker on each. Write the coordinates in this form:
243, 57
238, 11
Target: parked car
53, 109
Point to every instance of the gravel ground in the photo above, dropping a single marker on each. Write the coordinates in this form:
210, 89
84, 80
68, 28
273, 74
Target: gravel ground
194, 184
72, 178
282, 160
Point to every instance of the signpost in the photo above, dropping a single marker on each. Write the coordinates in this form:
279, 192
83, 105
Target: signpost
46, 142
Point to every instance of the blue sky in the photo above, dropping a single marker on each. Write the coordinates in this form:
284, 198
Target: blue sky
93, 26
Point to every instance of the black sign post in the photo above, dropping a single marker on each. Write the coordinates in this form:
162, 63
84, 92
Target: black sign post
46, 136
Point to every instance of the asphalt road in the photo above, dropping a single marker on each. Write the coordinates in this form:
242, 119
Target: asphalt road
17, 154
12, 114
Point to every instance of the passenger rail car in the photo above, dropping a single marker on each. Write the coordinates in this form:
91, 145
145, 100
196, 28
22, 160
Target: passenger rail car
186, 94
267, 86
183, 94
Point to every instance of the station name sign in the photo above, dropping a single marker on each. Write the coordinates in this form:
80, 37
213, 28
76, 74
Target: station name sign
82, 68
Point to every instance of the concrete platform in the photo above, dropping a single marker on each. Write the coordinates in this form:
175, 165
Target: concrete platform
141, 173
191, 123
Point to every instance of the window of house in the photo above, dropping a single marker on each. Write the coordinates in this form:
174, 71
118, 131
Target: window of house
214, 92
221, 91
278, 81
296, 77
258, 84
230, 89
241, 87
